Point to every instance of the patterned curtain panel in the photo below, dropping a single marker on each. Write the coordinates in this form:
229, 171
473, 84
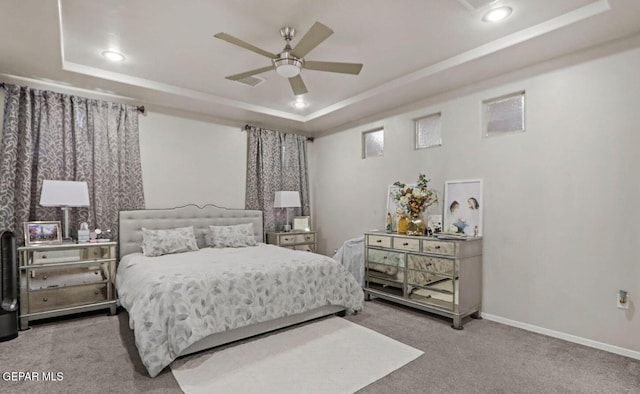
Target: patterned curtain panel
49, 135
276, 161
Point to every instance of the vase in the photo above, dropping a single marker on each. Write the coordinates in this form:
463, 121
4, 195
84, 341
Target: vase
416, 225
403, 223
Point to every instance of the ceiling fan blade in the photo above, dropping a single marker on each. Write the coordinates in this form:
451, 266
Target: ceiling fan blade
236, 41
334, 67
312, 39
245, 74
297, 85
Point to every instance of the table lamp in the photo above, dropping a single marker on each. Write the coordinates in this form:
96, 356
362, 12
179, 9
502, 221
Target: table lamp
64, 194
286, 200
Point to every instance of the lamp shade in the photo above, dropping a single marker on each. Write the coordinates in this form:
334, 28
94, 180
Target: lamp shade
64, 194
286, 199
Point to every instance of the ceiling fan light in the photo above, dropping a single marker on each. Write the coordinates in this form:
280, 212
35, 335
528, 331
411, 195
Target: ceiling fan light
497, 14
288, 67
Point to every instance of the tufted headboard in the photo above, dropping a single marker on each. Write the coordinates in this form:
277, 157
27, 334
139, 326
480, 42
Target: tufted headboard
131, 223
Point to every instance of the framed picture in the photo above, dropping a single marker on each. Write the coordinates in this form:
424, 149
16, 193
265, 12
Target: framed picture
463, 207
392, 216
42, 233
302, 223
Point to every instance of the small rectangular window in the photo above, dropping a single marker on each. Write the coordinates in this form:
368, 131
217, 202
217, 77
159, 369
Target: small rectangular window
504, 115
372, 143
428, 131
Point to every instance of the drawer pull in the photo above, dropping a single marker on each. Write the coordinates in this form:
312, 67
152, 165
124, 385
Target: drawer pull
96, 292
405, 244
44, 277
385, 257
379, 241
96, 273
45, 299
286, 239
438, 247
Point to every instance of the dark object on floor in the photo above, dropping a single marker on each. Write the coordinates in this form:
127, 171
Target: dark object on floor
8, 287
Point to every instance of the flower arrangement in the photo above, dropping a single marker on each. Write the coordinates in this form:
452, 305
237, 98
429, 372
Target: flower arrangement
414, 200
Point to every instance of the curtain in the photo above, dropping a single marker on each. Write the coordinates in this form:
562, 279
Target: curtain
276, 161
53, 136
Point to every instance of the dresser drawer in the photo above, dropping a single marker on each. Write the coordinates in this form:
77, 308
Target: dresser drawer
43, 278
430, 264
406, 244
45, 300
290, 239
382, 241
439, 247
383, 257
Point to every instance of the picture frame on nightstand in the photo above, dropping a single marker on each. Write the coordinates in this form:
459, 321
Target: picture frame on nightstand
42, 233
302, 223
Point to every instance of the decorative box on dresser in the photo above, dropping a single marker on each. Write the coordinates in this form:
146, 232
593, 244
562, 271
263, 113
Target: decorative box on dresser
298, 240
64, 279
441, 276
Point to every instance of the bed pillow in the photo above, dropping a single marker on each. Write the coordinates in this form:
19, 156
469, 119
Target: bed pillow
160, 242
236, 236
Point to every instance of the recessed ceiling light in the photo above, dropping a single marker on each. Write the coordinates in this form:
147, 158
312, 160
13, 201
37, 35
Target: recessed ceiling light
497, 14
299, 104
113, 56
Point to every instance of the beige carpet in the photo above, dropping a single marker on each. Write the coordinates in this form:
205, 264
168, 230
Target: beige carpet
332, 355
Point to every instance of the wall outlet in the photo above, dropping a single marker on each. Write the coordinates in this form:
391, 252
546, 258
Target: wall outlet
622, 299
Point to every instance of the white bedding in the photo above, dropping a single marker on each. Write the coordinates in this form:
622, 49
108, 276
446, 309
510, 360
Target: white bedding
176, 300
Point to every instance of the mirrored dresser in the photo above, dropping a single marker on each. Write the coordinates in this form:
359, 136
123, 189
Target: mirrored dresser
435, 275
63, 279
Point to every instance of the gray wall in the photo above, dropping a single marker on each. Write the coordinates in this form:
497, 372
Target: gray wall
560, 200
191, 161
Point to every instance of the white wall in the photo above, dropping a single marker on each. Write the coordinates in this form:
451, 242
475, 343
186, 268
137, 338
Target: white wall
191, 161
560, 200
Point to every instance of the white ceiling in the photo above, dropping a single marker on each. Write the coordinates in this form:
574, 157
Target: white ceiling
411, 49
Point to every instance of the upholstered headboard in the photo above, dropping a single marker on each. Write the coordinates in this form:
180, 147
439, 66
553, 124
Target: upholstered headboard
131, 223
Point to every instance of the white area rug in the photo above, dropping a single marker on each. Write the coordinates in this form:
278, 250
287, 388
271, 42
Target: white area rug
329, 356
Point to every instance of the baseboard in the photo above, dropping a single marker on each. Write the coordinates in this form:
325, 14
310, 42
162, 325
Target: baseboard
564, 336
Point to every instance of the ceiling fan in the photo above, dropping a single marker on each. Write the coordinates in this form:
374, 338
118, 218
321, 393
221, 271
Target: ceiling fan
290, 62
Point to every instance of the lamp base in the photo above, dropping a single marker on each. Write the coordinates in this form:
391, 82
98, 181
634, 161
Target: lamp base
287, 228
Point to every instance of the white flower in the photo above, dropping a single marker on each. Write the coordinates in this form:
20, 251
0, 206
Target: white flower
417, 193
452, 229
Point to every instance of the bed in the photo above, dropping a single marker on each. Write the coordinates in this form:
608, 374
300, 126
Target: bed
182, 303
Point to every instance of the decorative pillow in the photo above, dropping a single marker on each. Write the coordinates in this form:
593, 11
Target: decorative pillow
159, 242
189, 235
237, 236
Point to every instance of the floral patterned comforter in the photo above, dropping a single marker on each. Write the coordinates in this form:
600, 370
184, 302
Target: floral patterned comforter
175, 300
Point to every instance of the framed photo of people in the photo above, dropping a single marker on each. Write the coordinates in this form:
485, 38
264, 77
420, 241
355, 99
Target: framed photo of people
463, 206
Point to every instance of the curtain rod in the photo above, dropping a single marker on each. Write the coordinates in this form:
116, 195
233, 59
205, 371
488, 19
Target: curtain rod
140, 108
248, 127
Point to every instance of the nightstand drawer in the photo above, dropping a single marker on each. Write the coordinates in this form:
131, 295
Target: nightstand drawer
290, 239
45, 300
438, 247
305, 248
406, 244
56, 256
379, 240
44, 278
